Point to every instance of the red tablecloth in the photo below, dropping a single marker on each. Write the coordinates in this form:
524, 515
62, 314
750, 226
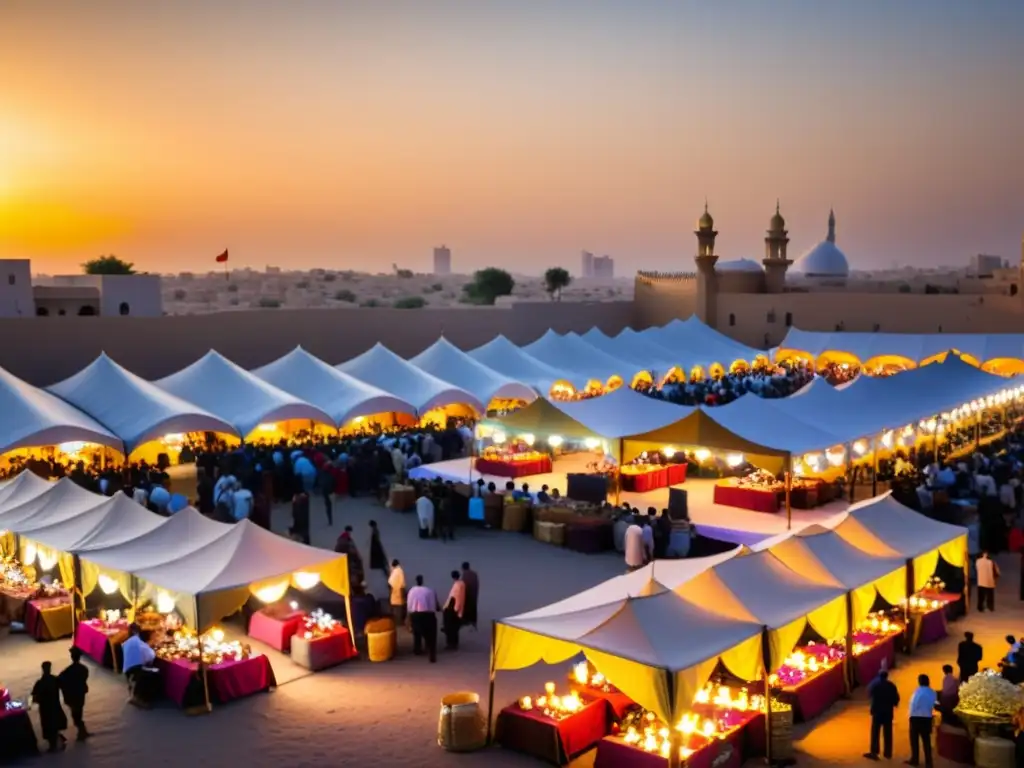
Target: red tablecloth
648, 480
36, 624
676, 473
539, 466
613, 752
228, 681
867, 665
617, 700
275, 631
554, 741
99, 645
815, 695
746, 498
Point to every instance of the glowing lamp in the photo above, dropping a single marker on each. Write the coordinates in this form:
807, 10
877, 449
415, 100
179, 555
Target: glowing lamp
549, 689
813, 461
358, 419
217, 635
71, 447
554, 441
529, 439
887, 439
860, 448
669, 451
835, 457
498, 437
702, 454
304, 580
265, 427
271, 593
591, 442
107, 585
734, 459
164, 602
931, 425
293, 605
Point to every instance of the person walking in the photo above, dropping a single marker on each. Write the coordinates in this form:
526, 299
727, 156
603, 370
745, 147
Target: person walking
922, 705
472, 579
634, 548
396, 583
454, 608
52, 718
423, 608
74, 684
987, 574
968, 657
884, 698
378, 558
325, 485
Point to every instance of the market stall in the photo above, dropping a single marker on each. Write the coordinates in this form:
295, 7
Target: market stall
641, 476
514, 460
17, 736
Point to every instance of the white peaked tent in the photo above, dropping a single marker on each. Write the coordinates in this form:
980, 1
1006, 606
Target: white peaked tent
444, 360
698, 344
111, 522
32, 417
382, 368
573, 354
630, 346
62, 501
134, 409
338, 394
240, 398
26, 486
504, 357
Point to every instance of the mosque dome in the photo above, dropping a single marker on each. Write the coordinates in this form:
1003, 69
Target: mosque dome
705, 221
738, 265
825, 259
777, 224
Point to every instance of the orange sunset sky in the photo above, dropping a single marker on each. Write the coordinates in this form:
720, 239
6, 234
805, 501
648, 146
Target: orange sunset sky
357, 134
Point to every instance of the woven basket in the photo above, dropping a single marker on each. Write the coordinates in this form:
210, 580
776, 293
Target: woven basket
461, 726
782, 734
558, 534
380, 646
990, 752
542, 531
513, 518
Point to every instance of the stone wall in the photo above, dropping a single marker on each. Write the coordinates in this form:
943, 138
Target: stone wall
46, 350
663, 297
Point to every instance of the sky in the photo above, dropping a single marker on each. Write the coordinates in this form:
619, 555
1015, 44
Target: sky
355, 135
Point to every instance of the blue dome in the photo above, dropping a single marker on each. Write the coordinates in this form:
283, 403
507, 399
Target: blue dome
738, 265
823, 260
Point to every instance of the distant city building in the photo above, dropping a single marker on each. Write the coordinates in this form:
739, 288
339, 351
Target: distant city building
82, 295
442, 260
604, 267
586, 264
984, 265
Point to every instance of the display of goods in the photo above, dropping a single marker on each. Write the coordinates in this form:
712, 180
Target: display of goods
552, 705
13, 575
584, 674
211, 648
987, 694
806, 662
761, 481
880, 624
318, 624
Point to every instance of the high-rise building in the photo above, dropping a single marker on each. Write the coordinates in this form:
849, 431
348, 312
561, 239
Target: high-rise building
604, 267
442, 260
586, 264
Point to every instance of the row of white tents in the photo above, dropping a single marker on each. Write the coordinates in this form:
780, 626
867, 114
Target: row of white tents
107, 405
746, 609
207, 568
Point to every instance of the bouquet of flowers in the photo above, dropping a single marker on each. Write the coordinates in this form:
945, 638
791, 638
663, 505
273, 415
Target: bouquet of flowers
988, 695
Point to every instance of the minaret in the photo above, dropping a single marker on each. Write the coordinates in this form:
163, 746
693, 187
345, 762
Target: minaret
831, 226
775, 261
707, 280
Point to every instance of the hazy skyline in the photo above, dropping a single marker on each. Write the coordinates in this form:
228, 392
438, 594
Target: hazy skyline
357, 134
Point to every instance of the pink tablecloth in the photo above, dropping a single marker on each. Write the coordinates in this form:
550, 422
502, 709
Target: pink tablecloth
933, 626
617, 700
746, 498
867, 665
275, 631
815, 695
553, 741
539, 466
228, 681
97, 644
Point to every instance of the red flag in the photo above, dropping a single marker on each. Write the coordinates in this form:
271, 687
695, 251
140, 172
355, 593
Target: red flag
223, 257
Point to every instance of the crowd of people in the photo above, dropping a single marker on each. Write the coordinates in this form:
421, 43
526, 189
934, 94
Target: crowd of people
766, 381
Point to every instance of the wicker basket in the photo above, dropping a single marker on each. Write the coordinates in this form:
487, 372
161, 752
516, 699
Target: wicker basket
513, 518
782, 734
558, 534
380, 646
991, 752
542, 531
462, 726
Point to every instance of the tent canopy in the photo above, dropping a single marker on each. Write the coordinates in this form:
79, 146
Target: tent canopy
26, 486
634, 348
504, 357
134, 409
697, 344
58, 503
444, 359
341, 396
584, 361
238, 397
32, 417
112, 521
380, 367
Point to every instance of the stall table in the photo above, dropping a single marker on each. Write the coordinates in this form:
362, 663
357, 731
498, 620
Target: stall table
815, 694
516, 468
618, 702
930, 626
101, 641
227, 682
726, 752
868, 664
731, 495
554, 741
318, 653
12, 604
17, 736
276, 629
49, 618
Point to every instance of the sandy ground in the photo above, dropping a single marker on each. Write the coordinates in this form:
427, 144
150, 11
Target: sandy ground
388, 713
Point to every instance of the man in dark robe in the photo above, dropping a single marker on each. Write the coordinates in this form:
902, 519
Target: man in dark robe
74, 684
378, 558
52, 720
472, 579
300, 517
346, 545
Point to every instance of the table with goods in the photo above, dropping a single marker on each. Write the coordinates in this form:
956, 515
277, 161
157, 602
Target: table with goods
991, 710
512, 463
641, 476
321, 641
43, 609
928, 611
811, 679
874, 646
761, 491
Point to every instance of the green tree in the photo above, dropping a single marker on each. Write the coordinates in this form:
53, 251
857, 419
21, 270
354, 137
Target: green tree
555, 279
488, 284
108, 265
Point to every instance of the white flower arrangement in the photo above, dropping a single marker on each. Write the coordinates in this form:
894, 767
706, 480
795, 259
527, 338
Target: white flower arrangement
988, 694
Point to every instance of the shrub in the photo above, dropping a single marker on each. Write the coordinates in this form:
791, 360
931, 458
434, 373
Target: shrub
266, 302
410, 302
302, 284
370, 303
329, 277
345, 295
180, 294
232, 288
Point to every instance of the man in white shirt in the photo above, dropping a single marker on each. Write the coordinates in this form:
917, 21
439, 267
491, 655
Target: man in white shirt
634, 547
648, 539
987, 573
425, 513
396, 581
423, 609
241, 503
922, 705
137, 656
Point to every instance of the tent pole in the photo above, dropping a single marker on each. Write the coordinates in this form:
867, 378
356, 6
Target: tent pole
977, 430
848, 660
851, 470
618, 475
76, 590
967, 581
874, 468
202, 662
906, 605
766, 657
490, 692
789, 488
675, 757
